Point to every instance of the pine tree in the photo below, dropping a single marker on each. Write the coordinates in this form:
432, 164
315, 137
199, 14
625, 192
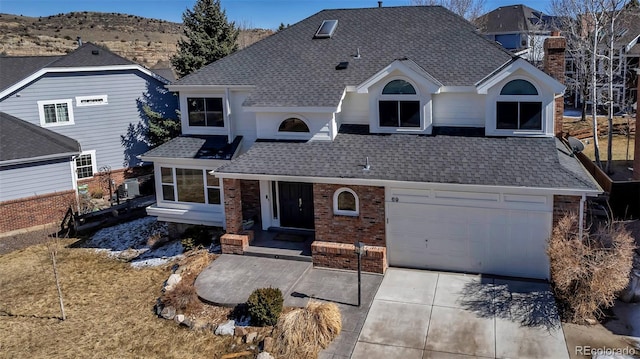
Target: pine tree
208, 37
160, 129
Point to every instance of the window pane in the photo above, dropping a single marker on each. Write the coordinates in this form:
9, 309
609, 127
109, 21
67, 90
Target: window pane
214, 195
62, 112
519, 87
196, 111
84, 167
507, 115
409, 113
212, 181
49, 113
190, 185
398, 87
167, 175
213, 107
167, 193
388, 113
531, 115
346, 201
293, 125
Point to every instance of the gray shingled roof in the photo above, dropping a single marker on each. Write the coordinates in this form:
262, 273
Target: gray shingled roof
291, 68
530, 162
203, 147
91, 55
514, 18
13, 69
20, 139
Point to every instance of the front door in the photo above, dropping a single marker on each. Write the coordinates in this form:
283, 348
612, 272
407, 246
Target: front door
296, 204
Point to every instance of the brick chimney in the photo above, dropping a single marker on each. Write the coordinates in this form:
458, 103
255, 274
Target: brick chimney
554, 48
636, 152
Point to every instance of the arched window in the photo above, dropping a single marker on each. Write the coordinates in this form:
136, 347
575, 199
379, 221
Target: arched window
345, 202
293, 125
399, 105
519, 107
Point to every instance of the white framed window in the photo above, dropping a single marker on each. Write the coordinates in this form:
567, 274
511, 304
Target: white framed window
55, 112
345, 202
519, 107
86, 164
293, 124
96, 100
188, 185
399, 105
205, 111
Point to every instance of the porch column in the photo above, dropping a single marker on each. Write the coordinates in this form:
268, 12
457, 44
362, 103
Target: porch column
232, 204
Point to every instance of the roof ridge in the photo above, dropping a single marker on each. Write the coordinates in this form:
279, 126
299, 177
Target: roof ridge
90, 44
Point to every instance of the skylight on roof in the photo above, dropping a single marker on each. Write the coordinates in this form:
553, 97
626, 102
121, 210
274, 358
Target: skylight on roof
326, 29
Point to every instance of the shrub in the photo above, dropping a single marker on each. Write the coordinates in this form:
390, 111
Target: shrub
587, 272
196, 236
264, 306
302, 333
97, 194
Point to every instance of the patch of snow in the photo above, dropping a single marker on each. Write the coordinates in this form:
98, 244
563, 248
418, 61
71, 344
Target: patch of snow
130, 241
572, 112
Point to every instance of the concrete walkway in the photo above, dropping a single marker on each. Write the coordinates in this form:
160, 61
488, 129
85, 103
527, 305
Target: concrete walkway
421, 314
230, 279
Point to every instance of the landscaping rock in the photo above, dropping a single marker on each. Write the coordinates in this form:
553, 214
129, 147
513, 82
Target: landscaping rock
264, 355
179, 318
226, 329
267, 344
168, 312
241, 331
174, 279
187, 323
250, 338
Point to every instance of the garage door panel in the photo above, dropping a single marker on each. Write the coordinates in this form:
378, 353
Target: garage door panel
468, 239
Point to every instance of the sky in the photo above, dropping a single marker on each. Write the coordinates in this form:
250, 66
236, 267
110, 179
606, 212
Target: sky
266, 14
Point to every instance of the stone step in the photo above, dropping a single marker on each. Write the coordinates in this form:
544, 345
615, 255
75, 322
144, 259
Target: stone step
277, 253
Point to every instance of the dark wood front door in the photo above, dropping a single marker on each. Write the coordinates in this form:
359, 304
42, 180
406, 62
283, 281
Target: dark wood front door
296, 204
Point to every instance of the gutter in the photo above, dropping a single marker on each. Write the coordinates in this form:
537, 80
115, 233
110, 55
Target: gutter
38, 159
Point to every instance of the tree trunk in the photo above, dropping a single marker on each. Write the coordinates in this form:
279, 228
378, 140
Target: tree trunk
610, 109
594, 97
53, 254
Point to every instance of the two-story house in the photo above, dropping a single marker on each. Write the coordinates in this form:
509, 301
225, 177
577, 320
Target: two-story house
90, 96
399, 127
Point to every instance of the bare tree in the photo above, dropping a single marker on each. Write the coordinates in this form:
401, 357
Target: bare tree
53, 244
469, 9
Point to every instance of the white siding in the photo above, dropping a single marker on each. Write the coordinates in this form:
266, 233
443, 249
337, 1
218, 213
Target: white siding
35, 179
355, 109
97, 127
458, 109
244, 123
267, 124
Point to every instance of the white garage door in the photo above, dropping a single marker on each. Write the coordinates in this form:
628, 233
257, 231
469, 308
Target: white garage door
492, 233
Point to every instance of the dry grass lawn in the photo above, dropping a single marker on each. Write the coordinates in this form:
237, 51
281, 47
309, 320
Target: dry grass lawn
619, 148
108, 306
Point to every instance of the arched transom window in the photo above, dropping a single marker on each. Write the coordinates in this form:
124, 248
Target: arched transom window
345, 202
293, 125
519, 107
399, 105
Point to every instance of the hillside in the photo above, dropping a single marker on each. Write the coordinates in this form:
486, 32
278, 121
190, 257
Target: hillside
140, 39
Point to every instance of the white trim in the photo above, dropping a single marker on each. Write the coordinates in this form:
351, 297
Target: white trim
38, 159
424, 105
94, 165
46, 70
103, 100
206, 88
341, 212
409, 68
524, 65
187, 129
291, 134
68, 102
411, 184
311, 109
181, 205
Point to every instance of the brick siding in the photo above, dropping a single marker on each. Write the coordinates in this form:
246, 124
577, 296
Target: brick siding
368, 227
563, 205
99, 181
232, 204
250, 199
343, 256
554, 48
36, 210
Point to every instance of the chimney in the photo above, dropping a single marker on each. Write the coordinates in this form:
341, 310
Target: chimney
79, 41
379, 3
554, 66
636, 152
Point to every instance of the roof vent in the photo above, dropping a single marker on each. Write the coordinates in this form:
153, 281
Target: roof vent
326, 29
95, 52
357, 55
342, 65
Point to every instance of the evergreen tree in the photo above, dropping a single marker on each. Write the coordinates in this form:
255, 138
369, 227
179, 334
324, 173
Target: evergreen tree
208, 36
160, 129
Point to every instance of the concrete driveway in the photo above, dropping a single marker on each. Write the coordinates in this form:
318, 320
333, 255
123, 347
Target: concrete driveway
422, 314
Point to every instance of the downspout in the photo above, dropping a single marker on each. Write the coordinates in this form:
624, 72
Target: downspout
581, 215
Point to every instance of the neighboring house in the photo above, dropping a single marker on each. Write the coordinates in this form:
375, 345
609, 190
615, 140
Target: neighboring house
36, 181
90, 95
519, 29
400, 127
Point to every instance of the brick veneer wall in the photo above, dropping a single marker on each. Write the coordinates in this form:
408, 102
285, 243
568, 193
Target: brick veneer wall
343, 256
98, 183
563, 205
35, 210
368, 227
554, 49
232, 204
250, 199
